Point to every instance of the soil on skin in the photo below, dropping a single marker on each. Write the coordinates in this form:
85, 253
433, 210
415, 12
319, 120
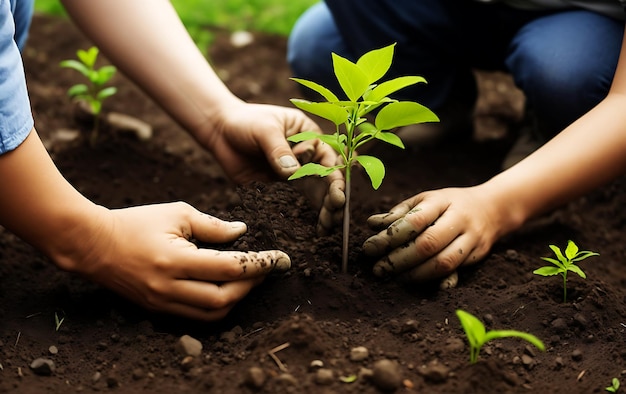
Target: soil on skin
312, 312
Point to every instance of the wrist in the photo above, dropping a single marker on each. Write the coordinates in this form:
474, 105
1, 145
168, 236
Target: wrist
75, 246
504, 206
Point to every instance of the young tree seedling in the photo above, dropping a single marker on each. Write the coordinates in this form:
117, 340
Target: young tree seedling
359, 82
477, 336
564, 263
58, 321
614, 386
93, 93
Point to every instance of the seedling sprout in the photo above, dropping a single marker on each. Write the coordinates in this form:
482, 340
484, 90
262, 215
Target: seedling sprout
364, 95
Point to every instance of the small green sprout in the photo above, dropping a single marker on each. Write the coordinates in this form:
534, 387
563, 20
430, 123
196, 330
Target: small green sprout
565, 263
359, 82
95, 92
614, 386
477, 336
58, 321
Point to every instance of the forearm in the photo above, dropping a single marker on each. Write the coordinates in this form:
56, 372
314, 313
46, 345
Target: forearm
587, 154
146, 40
41, 207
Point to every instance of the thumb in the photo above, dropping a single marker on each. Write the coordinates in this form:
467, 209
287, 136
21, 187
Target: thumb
282, 159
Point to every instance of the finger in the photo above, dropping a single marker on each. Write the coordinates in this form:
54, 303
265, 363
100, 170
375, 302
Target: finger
382, 220
331, 213
207, 228
442, 264
216, 265
204, 300
401, 231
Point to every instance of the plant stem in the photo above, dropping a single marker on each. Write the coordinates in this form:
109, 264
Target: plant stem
93, 138
565, 287
346, 225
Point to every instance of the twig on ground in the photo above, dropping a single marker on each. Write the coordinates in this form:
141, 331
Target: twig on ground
272, 354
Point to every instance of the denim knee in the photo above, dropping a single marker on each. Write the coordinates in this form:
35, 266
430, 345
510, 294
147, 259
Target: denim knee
312, 40
564, 63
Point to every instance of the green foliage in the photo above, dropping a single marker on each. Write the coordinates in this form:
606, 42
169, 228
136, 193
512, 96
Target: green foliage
564, 263
94, 92
359, 83
614, 386
477, 336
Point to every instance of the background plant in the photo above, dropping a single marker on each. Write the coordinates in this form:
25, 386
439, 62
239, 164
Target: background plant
564, 263
268, 16
477, 336
94, 92
364, 95
614, 386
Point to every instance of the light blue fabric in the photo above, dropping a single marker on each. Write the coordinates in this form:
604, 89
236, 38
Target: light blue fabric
16, 120
563, 60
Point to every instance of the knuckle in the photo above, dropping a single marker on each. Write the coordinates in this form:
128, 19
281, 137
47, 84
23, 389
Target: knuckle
221, 300
427, 243
446, 264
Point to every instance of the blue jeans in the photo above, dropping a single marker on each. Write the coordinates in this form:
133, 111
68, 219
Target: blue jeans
563, 61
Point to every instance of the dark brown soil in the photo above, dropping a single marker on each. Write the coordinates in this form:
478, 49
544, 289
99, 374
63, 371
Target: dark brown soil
107, 344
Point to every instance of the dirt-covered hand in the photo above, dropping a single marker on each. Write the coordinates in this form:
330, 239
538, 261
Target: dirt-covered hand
145, 254
429, 235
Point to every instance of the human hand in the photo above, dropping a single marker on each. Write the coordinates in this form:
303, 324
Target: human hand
431, 234
250, 143
144, 253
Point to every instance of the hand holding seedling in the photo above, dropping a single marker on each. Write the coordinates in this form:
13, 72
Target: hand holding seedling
431, 234
477, 336
564, 263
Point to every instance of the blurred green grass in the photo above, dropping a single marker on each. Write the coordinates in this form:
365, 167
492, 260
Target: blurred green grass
268, 16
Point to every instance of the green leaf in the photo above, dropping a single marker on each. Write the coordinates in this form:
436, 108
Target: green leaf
376, 63
571, 250
547, 271
584, 254
575, 268
557, 252
386, 88
351, 78
104, 74
326, 93
390, 138
374, 168
76, 65
555, 262
314, 169
474, 328
77, 90
328, 111
403, 113
348, 379
88, 57
303, 136
106, 92
518, 334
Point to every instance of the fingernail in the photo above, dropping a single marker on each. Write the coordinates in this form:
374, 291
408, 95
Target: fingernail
282, 263
287, 161
239, 226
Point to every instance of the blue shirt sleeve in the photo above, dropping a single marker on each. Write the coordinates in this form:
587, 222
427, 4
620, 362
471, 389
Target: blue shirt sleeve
16, 119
